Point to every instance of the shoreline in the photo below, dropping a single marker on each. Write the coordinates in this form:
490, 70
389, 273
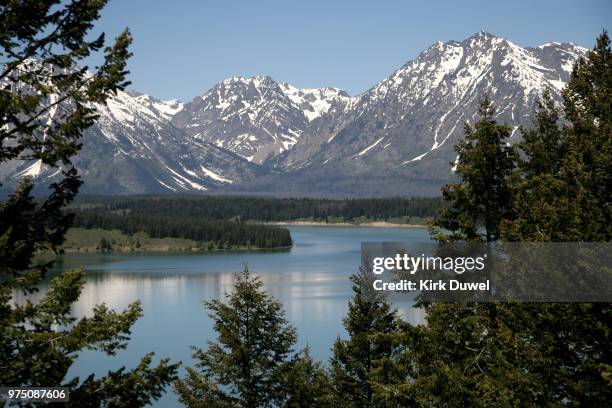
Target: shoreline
192, 247
376, 224
193, 250
96, 240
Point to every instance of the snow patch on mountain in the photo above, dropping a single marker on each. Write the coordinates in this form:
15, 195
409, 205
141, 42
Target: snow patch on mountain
367, 149
32, 171
215, 176
314, 102
167, 109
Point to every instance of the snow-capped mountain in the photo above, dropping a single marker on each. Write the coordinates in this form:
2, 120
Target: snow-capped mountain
149, 154
257, 135
399, 135
133, 148
255, 118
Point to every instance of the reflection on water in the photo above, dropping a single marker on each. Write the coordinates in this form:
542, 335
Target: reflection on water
311, 281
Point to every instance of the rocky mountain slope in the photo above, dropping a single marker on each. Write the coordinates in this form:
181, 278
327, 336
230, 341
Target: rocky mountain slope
133, 148
259, 136
398, 137
255, 118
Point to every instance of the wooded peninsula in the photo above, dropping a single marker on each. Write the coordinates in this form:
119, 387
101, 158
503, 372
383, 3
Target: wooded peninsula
205, 223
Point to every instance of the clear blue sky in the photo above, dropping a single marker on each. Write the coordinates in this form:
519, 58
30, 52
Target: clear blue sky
183, 47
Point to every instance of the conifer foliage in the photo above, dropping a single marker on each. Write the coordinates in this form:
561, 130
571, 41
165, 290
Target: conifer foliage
522, 354
355, 360
46, 102
481, 200
251, 363
565, 180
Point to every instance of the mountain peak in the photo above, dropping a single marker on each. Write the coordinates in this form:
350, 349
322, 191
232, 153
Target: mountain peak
482, 39
483, 34
257, 80
478, 40
166, 109
134, 93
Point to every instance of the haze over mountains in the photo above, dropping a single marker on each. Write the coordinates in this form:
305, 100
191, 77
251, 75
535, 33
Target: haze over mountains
258, 136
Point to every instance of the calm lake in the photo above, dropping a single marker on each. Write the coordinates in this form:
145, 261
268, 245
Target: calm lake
311, 280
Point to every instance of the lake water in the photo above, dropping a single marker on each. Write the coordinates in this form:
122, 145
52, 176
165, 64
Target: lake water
311, 281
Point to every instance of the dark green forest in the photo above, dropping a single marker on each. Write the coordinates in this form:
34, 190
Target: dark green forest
229, 222
216, 233
264, 208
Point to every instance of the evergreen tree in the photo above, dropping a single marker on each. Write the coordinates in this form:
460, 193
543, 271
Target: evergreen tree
482, 198
542, 145
537, 187
305, 383
250, 364
46, 102
501, 355
567, 196
537, 354
588, 109
104, 245
356, 359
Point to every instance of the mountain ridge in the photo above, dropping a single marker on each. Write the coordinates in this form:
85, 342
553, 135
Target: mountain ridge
255, 135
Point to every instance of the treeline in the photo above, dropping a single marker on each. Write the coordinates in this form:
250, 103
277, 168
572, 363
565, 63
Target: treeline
230, 222
267, 209
214, 233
